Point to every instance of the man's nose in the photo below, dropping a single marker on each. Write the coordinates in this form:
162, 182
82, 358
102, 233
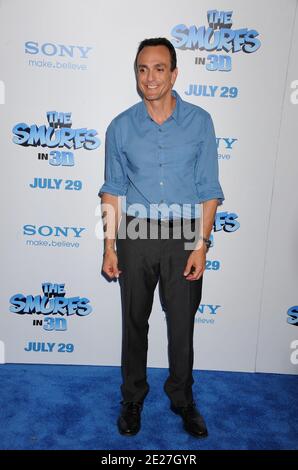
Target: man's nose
150, 76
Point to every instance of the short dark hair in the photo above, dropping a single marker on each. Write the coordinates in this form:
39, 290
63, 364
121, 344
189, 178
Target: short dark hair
158, 42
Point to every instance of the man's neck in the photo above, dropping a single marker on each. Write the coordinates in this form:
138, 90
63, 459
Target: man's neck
161, 110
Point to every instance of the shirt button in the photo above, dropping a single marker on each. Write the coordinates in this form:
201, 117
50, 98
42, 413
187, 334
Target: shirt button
160, 146
160, 130
160, 164
161, 183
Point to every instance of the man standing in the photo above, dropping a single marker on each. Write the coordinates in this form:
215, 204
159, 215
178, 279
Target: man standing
161, 153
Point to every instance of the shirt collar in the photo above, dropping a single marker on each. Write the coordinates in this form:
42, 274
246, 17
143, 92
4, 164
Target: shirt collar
176, 114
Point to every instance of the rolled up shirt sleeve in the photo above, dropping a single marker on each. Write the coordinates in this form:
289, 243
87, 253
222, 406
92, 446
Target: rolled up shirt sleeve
116, 181
206, 170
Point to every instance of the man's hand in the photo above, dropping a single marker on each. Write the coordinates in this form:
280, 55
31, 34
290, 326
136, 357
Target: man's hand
110, 264
195, 265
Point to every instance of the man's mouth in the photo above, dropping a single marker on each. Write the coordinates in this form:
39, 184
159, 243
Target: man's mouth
152, 87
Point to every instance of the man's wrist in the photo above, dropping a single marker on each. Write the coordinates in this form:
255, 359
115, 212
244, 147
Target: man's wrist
108, 249
206, 243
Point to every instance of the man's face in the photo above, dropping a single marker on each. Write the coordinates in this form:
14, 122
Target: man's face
154, 75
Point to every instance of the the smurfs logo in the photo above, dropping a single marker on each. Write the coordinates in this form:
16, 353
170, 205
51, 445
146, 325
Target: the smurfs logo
217, 36
53, 305
57, 134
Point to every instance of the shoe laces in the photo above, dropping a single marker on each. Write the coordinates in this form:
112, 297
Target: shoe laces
133, 407
189, 406
189, 409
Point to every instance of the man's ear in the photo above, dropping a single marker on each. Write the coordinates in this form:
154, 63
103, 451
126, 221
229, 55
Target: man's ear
174, 75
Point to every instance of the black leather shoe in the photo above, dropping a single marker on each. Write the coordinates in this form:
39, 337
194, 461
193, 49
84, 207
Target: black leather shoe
129, 421
193, 421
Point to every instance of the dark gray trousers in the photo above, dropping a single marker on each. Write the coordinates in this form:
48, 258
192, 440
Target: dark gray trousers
144, 262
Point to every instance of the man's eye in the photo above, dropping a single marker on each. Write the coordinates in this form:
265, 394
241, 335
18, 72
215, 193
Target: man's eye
160, 70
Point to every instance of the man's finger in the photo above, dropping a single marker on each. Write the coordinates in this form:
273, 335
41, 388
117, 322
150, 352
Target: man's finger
187, 268
196, 274
111, 270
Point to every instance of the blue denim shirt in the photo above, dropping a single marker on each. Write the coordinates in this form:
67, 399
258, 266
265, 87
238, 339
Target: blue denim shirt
165, 171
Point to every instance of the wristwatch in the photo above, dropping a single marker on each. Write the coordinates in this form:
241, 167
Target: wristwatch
207, 242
